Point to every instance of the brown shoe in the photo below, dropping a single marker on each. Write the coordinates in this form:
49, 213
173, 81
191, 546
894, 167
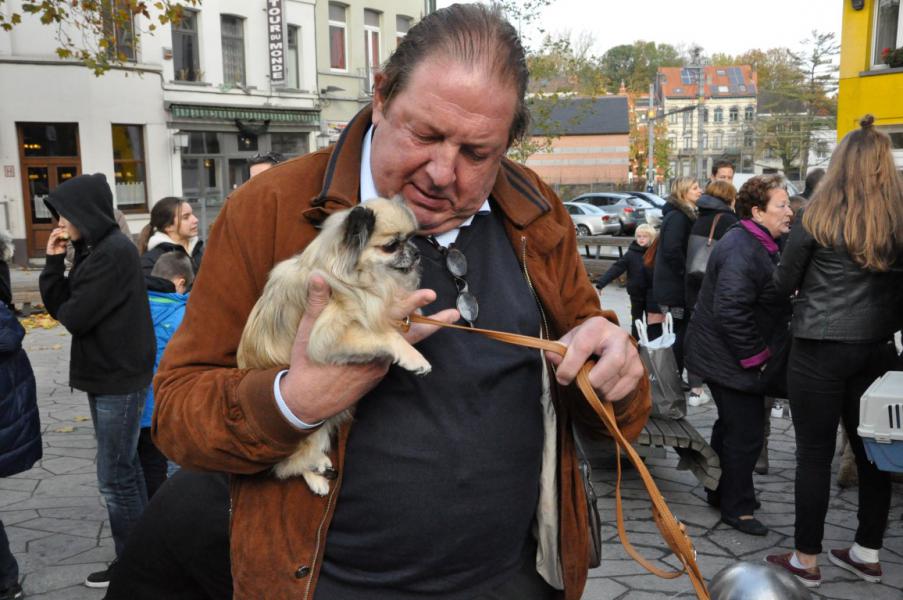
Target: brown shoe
870, 572
810, 578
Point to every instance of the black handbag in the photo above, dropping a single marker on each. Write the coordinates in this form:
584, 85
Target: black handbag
592, 509
699, 248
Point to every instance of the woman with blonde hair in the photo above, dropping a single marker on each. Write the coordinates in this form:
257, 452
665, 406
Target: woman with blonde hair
845, 260
668, 283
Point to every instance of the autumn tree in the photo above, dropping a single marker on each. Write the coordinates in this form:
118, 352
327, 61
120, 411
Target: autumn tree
99, 33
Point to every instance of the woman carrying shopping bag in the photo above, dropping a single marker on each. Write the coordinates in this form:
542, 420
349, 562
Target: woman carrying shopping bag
739, 325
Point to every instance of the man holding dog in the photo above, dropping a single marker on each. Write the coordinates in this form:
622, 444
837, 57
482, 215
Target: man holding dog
460, 484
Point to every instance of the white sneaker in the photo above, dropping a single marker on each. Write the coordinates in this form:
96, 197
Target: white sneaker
695, 399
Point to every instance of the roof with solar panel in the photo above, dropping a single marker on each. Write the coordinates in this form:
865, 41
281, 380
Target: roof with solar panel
720, 82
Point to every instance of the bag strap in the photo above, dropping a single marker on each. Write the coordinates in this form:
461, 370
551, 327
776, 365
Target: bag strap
712, 229
671, 529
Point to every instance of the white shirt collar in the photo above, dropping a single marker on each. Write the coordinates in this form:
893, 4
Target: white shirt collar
368, 192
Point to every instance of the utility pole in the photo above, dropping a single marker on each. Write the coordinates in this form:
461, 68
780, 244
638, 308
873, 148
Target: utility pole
650, 149
700, 96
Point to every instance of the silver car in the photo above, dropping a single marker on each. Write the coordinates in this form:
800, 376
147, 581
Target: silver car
592, 220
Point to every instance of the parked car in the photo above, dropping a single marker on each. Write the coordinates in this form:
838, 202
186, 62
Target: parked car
654, 214
741, 178
629, 209
591, 220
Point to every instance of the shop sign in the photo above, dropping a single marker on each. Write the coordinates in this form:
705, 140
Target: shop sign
276, 40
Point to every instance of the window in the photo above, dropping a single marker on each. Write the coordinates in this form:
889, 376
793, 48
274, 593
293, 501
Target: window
118, 30
371, 44
128, 165
402, 26
688, 142
888, 28
232, 31
293, 59
748, 113
688, 119
719, 141
185, 64
247, 142
49, 139
719, 115
705, 115
705, 141
672, 118
337, 45
203, 142
734, 114
290, 144
748, 139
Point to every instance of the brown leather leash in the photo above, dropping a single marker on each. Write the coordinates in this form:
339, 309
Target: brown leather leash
671, 529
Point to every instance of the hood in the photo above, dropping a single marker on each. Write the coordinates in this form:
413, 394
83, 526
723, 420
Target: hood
165, 305
87, 202
673, 205
635, 247
712, 203
159, 284
159, 238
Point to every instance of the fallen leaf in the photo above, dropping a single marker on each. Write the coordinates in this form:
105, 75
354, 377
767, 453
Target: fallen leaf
82, 418
66, 429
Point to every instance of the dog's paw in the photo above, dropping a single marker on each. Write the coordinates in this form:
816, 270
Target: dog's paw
415, 364
317, 483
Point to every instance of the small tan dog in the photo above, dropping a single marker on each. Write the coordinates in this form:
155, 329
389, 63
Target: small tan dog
366, 256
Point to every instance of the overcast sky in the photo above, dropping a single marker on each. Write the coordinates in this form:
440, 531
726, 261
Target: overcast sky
731, 26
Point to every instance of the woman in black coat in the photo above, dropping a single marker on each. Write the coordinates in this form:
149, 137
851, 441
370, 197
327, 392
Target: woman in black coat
844, 260
716, 203
20, 428
740, 322
172, 228
671, 257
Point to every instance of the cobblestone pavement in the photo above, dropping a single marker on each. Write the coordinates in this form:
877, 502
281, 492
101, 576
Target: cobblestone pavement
58, 530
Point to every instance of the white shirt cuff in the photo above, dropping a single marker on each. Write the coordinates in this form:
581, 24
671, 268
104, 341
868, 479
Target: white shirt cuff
284, 409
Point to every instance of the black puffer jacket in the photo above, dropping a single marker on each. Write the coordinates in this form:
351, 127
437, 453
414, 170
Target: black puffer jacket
103, 302
20, 425
838, 300
671, 257
159, 244
639, 278
740, 319
708, 207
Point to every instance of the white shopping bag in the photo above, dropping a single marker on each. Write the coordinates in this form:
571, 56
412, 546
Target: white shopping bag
668, 397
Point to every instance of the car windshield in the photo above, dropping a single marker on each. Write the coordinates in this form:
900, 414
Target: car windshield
656, 200
589, 209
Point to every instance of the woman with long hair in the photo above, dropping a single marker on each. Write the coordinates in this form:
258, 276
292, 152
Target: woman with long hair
172, 227
737, 329
668, 283
845, 262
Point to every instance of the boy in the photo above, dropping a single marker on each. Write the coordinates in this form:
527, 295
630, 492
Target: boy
639, 277
103, 304
167, 293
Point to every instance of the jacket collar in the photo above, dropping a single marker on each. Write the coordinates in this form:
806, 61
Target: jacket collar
761, 234
514, 191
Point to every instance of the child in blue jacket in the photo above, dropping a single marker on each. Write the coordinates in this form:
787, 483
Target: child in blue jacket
167, 293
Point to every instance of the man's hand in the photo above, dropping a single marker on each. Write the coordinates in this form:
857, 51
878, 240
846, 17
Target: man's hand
314, 392
618, 369
56, 243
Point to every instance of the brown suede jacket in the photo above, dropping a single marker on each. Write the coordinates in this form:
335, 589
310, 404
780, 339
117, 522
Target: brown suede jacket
211, 415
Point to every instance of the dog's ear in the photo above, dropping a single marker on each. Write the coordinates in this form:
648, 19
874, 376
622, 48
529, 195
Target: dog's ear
358, 228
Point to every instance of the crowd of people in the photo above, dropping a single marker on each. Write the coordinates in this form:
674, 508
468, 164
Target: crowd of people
490, 434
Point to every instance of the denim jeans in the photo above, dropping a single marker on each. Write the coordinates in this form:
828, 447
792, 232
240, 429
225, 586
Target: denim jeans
826, 381
117, 422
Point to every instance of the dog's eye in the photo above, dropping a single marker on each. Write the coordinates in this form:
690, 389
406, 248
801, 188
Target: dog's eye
391, 247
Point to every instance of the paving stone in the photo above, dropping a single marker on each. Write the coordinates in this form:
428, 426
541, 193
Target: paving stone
76, 527
603, 588
61, 577
60, 546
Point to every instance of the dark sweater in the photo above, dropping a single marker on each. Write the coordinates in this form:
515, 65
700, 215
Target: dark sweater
103, 301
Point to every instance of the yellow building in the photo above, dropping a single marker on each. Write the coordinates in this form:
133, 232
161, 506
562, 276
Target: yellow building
867, 85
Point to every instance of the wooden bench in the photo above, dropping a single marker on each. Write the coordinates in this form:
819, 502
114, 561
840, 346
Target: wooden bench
694, 451
592, 245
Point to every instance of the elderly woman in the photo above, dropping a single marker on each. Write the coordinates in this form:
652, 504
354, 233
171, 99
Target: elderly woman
845, 261
740, 322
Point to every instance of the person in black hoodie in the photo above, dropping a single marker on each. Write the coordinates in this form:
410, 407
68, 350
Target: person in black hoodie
671, 257
103, 304
639, 277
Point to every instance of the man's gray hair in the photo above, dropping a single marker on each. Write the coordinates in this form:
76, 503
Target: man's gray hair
470, 33
173, 265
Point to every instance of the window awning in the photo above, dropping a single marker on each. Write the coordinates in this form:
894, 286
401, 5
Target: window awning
231, 113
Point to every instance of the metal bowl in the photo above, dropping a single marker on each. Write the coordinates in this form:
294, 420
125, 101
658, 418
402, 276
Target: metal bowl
751, 581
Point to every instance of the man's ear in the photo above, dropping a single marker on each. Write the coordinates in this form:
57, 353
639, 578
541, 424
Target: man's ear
358, 229
379, 102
